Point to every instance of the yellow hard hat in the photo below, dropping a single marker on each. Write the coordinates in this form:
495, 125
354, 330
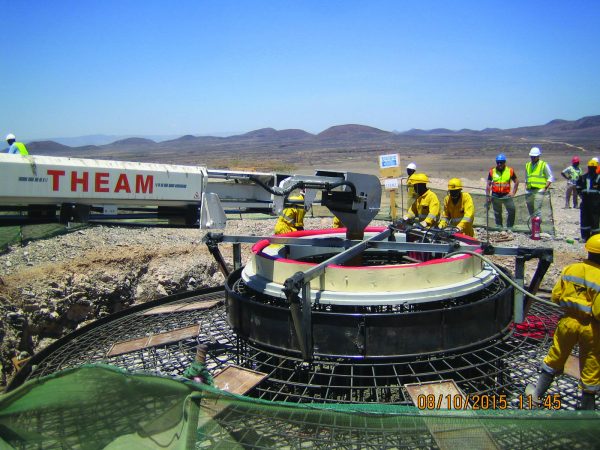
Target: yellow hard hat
593, 244
592, 163
417, 178
454, 184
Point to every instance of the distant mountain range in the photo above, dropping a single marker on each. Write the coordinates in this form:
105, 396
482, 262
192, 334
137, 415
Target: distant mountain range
268, 143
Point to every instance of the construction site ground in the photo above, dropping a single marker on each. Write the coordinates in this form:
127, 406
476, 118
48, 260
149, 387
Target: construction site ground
52, 286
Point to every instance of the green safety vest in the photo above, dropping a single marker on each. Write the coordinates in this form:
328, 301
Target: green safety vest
22, 148
536, 176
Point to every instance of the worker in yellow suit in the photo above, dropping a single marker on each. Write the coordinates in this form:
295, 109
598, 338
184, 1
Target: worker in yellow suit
426, 207
337, 223
459, 210
578, 293
292, 216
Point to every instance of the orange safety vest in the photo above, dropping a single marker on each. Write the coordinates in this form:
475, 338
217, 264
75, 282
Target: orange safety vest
501, 180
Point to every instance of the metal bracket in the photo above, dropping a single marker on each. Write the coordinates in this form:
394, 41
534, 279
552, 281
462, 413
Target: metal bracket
545, 257
518, 302
300, 308
212, 241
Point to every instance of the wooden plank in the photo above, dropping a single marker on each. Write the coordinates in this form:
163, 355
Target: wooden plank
238, 380
127, 346
179, 307
449, 434
572, 367
154, 340
445, 390
174, 335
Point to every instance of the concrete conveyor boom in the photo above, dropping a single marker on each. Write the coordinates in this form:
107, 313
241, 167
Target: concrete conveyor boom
87, 189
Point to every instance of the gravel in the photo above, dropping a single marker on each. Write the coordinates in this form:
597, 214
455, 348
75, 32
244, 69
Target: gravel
50, 287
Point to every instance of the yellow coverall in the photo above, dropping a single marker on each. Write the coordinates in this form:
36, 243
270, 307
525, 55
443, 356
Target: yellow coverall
425, 208
460, 214
292, 217
578, 292
337, 223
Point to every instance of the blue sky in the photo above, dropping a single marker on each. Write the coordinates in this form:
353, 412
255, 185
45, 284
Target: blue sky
73, 68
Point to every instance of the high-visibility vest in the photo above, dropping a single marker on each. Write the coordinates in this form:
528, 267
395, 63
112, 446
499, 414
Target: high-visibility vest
501, 180
536, 176
21, 147
578, 290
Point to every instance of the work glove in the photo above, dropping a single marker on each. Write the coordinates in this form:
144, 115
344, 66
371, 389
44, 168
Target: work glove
424, 224
442, 224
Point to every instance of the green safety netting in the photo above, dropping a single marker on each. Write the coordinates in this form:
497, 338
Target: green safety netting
484, 216
8, 236
13, 234
95, 407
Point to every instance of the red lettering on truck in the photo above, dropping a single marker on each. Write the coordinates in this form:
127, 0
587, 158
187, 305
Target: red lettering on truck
123, 184
55, 174
101, 180
145, 187
83, 181
144, 184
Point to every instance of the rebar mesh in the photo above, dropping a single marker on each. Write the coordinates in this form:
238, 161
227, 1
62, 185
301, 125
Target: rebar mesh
499, 366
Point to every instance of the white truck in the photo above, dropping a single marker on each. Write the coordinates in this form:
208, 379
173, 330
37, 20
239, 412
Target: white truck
80, 190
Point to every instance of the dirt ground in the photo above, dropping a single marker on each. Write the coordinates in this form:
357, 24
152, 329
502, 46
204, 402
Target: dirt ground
59, 284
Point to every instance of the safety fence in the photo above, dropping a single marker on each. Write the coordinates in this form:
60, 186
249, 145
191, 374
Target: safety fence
484, 216
105, 407
484, 210
21, 234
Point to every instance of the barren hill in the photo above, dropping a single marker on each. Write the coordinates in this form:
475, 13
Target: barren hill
272, 149
342, 132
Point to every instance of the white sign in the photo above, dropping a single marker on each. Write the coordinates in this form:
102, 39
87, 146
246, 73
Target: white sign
386, 161
391, 183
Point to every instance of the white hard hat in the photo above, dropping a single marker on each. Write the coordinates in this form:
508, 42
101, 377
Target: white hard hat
535, 151
10, 136
412, 166
595, 159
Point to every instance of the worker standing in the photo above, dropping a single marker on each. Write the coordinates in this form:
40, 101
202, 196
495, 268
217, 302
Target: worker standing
410, 169
459, 210
498, 185
538, 179
572, 174
292, 215
588, 187
578, 293
426, 207
14, 146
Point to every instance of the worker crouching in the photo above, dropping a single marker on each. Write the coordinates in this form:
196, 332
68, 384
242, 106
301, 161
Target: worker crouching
292, 215
426, 207
578, 293
459, 210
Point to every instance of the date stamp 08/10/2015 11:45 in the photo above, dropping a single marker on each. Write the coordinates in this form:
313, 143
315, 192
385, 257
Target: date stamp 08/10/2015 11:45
485, 402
